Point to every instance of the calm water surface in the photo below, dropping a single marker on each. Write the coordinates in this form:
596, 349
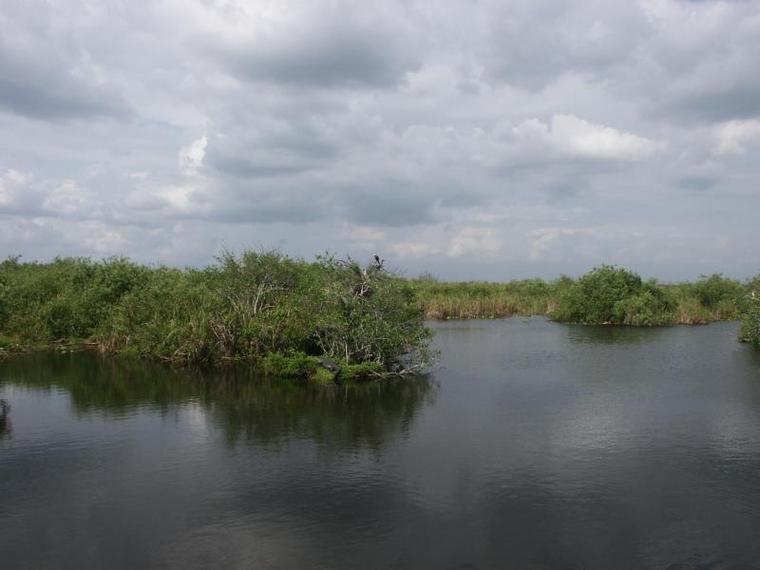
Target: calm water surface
534, 445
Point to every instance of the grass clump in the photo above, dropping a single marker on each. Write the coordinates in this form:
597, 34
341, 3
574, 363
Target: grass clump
294, 365
363, 371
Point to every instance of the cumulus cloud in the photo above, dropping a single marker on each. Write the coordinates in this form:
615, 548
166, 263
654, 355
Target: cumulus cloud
572, 135
735, 137
191, 157
12, 186
329, 56
488, 140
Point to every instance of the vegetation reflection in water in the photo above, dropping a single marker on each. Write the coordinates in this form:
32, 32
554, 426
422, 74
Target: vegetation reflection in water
5, 422
247, 406
601, 335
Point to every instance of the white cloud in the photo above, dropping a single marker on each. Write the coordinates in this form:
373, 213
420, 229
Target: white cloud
67, 199
735, 137
191, 157
12, 185
474, 241
574, 136
413, 249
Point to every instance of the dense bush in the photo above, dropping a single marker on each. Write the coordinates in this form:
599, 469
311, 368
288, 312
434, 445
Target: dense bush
718, 293
67, 298
611, 295
242, 308
750, 331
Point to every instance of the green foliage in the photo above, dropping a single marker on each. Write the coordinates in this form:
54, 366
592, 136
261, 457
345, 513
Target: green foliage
750, 314
711, 298
368, 315
259, 306
718, 293
360, 371
297, 365
611, 295
63, 299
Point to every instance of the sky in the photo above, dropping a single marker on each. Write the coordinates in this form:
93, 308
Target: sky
468, 139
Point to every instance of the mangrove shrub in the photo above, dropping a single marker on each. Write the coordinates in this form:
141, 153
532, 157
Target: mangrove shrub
719, 294
244, 307
612, 295
750, 314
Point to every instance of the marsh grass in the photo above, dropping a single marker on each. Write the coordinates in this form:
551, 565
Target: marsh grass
588, 299
472, 300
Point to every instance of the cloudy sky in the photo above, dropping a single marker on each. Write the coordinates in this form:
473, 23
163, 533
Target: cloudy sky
472, 139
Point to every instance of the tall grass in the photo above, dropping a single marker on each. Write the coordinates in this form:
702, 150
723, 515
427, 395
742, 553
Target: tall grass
469, 300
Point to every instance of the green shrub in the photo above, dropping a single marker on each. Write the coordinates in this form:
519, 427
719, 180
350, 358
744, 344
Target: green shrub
248, 307
66, 298
611, 295
368, 315
750, 314
716, 291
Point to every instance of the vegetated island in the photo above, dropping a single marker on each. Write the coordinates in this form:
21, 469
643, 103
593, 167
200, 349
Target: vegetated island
326, 320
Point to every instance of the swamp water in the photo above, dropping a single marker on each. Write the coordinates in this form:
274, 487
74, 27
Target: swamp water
532, 445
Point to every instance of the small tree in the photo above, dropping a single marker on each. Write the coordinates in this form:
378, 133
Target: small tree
371, 316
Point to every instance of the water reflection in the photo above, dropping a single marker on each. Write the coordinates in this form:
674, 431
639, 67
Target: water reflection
247, 407
541, 448
603, 334
5, 422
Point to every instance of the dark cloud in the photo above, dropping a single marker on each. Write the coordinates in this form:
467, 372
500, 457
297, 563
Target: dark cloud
271, 211
333, 56
696, 182
41, 99
721, 103
40, 83
243, 167
285, 150
393, 204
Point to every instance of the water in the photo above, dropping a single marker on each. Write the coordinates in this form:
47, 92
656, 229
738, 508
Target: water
534, 445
